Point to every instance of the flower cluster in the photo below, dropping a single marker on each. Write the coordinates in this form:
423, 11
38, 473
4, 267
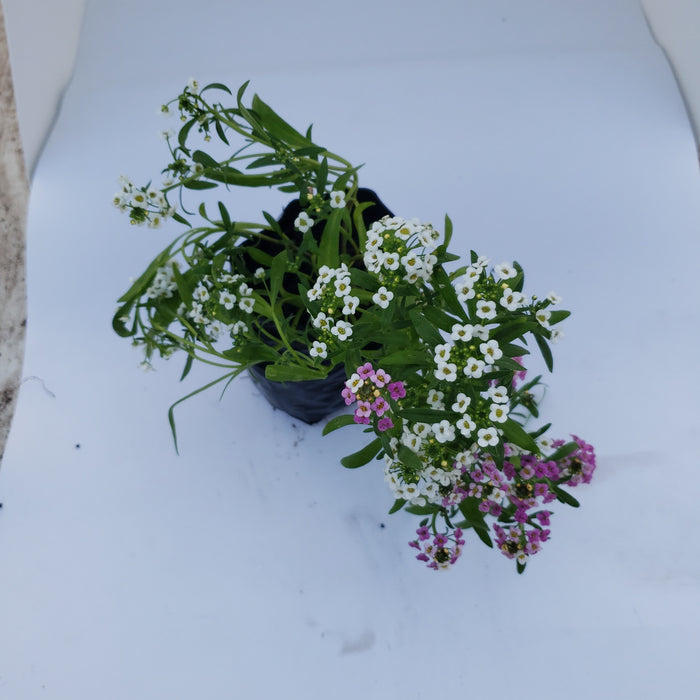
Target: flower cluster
374, 392
400, 250
435, 550
456, 449
144, 205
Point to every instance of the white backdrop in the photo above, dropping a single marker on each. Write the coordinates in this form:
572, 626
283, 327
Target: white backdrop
253, 564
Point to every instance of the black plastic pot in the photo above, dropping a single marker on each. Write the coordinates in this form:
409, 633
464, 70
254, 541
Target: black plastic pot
309, 401
312, 400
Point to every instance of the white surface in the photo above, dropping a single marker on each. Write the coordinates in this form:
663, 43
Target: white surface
43, 38
253, 565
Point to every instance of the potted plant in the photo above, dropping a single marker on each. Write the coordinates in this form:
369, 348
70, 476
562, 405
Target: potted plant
338, 290
232, 293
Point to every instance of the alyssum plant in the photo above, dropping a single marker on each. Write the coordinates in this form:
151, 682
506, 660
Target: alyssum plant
433, 361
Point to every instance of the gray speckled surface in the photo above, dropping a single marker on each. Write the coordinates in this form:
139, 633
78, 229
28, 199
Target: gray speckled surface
13, 206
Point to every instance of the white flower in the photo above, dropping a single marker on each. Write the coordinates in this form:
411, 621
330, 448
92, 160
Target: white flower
462, 332
491, 351
192, 86
259, 273
337, 199
544, 443
391, 261
482, 261
485, 309
421, 429
412, 441
442, 353
342, 330
321, 321
411, 262
461, 403
313, 293
474, 368
382, 297
444, 431
446, 371
505, 271
373, 260
465, 425
244, 290
435, 398
239, 327
511, 300
226, 299
497, 393
201, 293
342, 287
464, 289
542, 317
216, 328
487, 436
318, 349
499, 413
303, 222
427, 236
325, 274
554, 298
247, 304
355, 383
556, 335
479, 331
351, 304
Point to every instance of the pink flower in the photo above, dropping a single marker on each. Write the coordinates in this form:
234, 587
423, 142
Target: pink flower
380, 378
384, 424
365, 370
380, 406
396, 390
348, 395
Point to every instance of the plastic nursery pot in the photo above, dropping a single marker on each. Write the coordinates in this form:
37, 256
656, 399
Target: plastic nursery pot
309, 401
312, 400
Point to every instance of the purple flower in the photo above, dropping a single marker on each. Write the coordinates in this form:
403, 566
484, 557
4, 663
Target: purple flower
396, 390
365, 370
384, 424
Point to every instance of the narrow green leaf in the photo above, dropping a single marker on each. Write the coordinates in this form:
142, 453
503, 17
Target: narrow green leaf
515, 433
563, 451
399, 503
410, 458
339, 422
404, 357
424, 328
329, 253
546, 352
425, 415
363, 456
216, 86
205, 159
292, 373
277, 270
198, 184
278, 127
565, 497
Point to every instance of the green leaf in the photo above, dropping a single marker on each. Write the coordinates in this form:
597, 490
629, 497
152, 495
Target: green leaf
565, 497
292, 373
277, 270
425, 415
216, 86
439, 318
329, 253
339, 422
120, 328
475, 519
424, 328
363, 456
546, 352
563, 451
198, 184
399, 503
184, 132
410, 458
558, 316
515, 433
188, 366
421, 510
404, 357
205, 159
278, 127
